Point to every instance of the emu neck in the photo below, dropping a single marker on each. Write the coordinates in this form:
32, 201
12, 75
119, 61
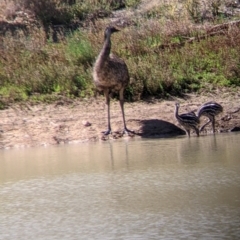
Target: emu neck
176, 112
105, 52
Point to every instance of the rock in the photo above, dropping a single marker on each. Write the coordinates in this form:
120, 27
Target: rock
86, 123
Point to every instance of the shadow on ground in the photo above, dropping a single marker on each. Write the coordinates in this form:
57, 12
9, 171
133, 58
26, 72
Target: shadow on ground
158, 128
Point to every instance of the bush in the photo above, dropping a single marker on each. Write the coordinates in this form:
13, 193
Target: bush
160, 58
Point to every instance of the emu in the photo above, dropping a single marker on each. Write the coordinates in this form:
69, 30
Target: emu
110, 74
209, 110
187, 120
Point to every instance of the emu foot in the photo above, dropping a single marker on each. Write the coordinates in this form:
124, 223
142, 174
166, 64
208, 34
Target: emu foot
129, 132
109, 131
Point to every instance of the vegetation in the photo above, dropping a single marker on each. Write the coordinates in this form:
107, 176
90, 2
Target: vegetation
39, 63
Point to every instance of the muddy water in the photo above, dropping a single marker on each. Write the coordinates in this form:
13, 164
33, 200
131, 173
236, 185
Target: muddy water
129, 189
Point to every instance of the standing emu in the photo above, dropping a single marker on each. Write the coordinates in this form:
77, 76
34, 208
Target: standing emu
209, 110
110, 74
187, 120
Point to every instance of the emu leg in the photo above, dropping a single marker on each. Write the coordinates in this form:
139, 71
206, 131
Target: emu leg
109, 130
197, 131
205, 125
213, 124
121, 99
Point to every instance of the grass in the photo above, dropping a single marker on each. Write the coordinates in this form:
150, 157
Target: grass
34, 67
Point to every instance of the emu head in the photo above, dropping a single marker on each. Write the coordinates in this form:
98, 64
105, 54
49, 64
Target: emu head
109, 30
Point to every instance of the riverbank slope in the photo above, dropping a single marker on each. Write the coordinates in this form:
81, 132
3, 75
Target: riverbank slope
73, 121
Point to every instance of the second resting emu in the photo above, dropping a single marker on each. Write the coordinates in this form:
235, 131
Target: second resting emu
110, 74
187, 120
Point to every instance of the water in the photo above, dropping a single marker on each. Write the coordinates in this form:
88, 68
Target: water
129, 189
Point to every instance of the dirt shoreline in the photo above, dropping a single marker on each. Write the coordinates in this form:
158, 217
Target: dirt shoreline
75, 121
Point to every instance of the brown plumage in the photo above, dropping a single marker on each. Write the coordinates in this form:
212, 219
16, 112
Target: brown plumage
110, 74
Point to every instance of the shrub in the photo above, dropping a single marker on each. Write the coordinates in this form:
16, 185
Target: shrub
161, 59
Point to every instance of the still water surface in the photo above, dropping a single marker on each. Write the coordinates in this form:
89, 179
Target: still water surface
130, 189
